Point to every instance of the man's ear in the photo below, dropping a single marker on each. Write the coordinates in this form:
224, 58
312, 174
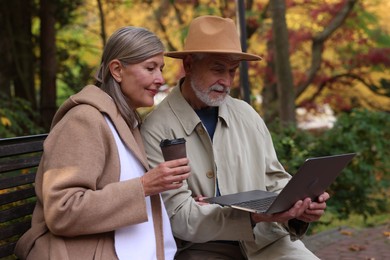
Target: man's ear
187, 63
116, 69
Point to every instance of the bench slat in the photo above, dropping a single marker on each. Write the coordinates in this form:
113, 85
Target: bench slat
17, 195
7, 250
13, 229
21, 145
17, 212
19, 163
16, 149
10, 182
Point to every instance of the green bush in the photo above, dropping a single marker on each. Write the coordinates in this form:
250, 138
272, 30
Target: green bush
292, 145
17, 118
362, 188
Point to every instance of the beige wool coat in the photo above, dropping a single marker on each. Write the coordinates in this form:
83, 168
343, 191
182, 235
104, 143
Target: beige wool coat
80, 201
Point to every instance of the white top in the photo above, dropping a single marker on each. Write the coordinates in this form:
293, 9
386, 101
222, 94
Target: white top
138, 241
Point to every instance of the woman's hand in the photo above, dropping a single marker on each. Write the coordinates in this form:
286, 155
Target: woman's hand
166, 176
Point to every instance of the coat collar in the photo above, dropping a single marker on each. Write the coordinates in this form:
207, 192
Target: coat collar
94, 96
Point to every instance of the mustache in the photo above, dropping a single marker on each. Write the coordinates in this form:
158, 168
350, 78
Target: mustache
220, 88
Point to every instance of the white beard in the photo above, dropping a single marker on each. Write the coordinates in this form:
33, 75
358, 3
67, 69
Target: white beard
204, 95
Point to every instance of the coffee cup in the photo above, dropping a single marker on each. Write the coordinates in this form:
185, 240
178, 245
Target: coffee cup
173, 148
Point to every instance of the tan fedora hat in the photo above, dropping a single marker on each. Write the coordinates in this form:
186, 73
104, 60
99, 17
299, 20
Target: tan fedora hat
212, 34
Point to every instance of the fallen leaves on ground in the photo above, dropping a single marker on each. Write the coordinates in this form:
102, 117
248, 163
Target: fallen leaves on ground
356, 248
346, 232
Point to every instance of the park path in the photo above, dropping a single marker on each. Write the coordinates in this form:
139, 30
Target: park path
371, 243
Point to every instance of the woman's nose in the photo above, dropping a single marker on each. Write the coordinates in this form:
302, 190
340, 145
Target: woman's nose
159, 79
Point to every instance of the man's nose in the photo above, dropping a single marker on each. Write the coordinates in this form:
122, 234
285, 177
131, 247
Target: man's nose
226, 80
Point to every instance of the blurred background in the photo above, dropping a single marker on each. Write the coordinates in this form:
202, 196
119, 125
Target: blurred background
323, 86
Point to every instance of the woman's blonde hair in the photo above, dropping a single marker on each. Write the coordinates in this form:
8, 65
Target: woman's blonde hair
130, 45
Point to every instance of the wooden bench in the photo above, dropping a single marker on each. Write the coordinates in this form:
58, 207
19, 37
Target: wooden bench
19, 158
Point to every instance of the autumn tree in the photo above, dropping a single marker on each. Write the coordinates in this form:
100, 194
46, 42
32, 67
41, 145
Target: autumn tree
31, 56
283, 72
337, 51
317, 47
336, 70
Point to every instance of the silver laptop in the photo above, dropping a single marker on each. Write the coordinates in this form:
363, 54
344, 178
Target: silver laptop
312, 179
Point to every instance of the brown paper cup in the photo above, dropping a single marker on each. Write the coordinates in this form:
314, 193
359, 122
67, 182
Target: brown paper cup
173, 148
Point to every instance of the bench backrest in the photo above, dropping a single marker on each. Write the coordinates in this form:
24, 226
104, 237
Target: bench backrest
19, 158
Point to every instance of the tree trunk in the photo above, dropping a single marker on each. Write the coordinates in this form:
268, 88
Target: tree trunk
285, 85
48, 62
103, 34
5, 47
16, 66
269, 92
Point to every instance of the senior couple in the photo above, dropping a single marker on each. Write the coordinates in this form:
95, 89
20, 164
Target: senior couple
104, 190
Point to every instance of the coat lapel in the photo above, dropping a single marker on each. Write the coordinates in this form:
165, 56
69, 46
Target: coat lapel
132, 139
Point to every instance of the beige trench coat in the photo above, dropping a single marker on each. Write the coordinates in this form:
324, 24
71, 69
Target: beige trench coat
241, 156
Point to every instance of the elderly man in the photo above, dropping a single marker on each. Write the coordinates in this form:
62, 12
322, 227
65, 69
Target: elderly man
230, 150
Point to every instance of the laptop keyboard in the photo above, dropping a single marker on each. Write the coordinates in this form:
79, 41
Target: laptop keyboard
260, 205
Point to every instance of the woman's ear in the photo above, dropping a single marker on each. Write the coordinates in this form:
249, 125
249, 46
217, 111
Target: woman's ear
116, 70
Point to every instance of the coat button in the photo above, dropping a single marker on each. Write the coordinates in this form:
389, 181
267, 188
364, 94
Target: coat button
210, 174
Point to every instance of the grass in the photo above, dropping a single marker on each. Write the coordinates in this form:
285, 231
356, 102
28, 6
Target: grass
329, 221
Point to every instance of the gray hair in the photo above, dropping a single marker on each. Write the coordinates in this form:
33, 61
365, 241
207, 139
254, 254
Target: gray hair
130, 45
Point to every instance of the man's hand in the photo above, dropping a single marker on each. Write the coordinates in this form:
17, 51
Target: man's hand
304, 210
200, 200
315, 210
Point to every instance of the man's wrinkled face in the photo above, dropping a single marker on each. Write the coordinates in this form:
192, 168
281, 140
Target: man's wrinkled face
212, 77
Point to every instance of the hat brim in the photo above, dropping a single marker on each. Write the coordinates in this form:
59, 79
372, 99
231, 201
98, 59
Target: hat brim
236, 55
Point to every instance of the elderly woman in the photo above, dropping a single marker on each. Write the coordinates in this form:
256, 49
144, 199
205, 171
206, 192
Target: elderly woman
96, 196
